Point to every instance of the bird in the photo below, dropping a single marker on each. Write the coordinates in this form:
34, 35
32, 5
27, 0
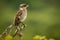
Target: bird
21, 14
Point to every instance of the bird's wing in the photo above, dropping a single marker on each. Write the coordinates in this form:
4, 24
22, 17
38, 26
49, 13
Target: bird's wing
17, 18
19, 13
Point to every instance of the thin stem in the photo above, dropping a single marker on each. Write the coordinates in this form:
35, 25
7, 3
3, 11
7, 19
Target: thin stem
7, 31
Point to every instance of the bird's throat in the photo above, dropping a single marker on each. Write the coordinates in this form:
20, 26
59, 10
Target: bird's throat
21, 8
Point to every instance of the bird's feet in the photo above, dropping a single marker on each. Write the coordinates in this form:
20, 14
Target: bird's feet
23, 26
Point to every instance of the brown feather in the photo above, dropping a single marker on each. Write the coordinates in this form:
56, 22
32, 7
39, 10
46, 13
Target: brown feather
17, 19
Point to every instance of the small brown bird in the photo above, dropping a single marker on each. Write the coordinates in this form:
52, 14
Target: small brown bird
21, 14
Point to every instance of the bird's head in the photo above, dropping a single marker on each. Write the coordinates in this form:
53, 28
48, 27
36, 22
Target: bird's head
23, 6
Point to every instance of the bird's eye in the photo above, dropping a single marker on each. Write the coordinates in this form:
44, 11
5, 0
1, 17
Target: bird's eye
24, 6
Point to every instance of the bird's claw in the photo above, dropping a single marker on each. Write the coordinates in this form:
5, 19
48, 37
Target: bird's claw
23, 26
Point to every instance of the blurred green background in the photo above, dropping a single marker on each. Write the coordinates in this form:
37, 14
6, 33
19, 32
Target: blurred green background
43, 17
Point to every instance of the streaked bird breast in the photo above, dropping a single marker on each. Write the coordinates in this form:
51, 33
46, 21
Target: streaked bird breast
23, 16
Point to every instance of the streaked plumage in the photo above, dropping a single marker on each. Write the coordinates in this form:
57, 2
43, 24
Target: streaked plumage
21, 14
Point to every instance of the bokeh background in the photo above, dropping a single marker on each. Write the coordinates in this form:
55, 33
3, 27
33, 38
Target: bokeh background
43, 17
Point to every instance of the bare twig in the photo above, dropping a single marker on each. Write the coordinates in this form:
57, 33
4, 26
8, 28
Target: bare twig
7, 31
